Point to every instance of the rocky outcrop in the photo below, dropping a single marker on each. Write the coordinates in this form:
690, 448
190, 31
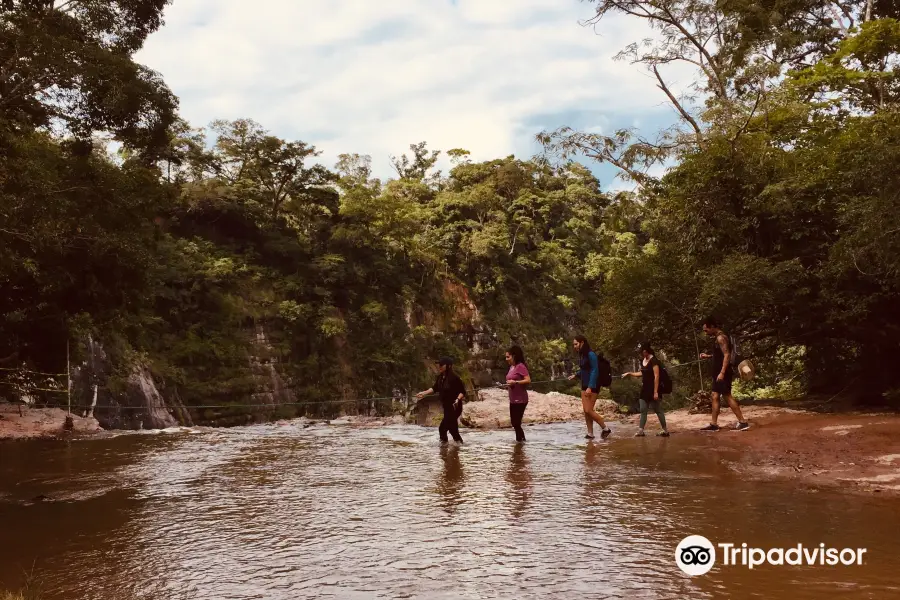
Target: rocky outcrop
263, 364
428, 412
144, 396
143, 401
492, 409
142, 404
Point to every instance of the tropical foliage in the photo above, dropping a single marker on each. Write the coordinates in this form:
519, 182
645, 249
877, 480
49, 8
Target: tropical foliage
186, 248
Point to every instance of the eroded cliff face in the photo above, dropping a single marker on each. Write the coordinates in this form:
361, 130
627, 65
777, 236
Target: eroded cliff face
459, 313
142, 404
143, 401
461, 321
144, 396
272, 389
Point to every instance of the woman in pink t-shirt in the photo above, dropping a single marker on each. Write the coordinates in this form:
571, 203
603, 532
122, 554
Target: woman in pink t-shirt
516, 380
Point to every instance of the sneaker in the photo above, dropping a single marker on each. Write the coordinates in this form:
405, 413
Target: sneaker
710, 427
588, 437
742, 426
640, 433
605, 433
663, 434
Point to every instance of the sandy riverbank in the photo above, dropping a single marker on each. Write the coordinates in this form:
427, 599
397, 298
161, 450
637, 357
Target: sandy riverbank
850, 450
854, 451
39, 422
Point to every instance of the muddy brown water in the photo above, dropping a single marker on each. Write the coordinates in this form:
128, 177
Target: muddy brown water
283, 512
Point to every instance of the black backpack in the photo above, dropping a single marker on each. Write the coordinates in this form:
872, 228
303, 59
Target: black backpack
604, 378
665, 382
735, 357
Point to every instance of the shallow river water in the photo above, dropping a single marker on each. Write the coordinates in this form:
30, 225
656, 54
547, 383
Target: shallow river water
283, 512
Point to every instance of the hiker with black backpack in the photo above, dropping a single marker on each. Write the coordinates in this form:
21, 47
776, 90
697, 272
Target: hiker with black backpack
595, 372
655, 382
723, 357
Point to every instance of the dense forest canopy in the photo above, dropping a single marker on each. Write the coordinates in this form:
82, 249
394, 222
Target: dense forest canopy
183, 247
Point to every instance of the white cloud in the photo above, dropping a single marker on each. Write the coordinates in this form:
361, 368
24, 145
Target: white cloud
373, 77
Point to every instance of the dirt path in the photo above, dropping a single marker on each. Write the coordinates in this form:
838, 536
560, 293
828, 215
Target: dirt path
39, 422
851, 450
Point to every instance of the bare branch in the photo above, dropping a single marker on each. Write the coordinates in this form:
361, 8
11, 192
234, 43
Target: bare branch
687, 117
65, 7
838, 18
17, 234
714, 74
743, 127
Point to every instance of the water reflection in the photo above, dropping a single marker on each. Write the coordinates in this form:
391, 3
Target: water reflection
652, 450
518, 476
266, 512
593, 451
452, 479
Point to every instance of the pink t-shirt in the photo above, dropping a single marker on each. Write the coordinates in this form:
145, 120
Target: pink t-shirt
517, 393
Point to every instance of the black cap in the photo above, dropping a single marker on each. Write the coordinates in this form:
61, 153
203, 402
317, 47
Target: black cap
445, 360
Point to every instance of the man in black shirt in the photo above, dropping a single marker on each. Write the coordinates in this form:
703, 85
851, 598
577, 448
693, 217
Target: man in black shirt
452, 392
722, 376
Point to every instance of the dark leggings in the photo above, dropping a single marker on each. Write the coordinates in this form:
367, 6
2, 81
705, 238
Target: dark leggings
516, 412
656, 405
449, 423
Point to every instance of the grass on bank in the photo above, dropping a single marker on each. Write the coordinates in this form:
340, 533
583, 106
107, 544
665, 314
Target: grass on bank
26, 594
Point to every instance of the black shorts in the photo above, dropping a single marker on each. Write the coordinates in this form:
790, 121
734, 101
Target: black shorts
647, 396
722, 387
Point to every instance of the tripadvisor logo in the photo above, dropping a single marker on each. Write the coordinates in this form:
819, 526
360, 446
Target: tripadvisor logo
695, 555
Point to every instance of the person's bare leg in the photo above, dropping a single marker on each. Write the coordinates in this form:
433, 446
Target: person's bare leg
715, 408
588, 403
735, 407
585, 406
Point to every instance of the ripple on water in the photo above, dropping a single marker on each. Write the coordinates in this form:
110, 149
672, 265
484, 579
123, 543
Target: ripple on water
291, 512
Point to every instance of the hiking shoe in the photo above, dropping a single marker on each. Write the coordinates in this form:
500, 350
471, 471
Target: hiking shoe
663, 434
605, 433
710, 427
742, 426
640, 433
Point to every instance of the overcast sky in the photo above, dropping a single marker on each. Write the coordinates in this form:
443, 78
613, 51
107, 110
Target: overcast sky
373, 77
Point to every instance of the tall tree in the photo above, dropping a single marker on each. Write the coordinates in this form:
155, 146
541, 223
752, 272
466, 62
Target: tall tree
66, 65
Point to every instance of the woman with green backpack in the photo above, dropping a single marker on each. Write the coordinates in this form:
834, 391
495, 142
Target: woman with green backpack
652, 376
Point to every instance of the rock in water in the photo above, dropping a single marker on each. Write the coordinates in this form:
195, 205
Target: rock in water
492, 409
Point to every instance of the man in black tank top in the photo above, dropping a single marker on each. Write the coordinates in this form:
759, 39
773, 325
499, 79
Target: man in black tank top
723, 376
